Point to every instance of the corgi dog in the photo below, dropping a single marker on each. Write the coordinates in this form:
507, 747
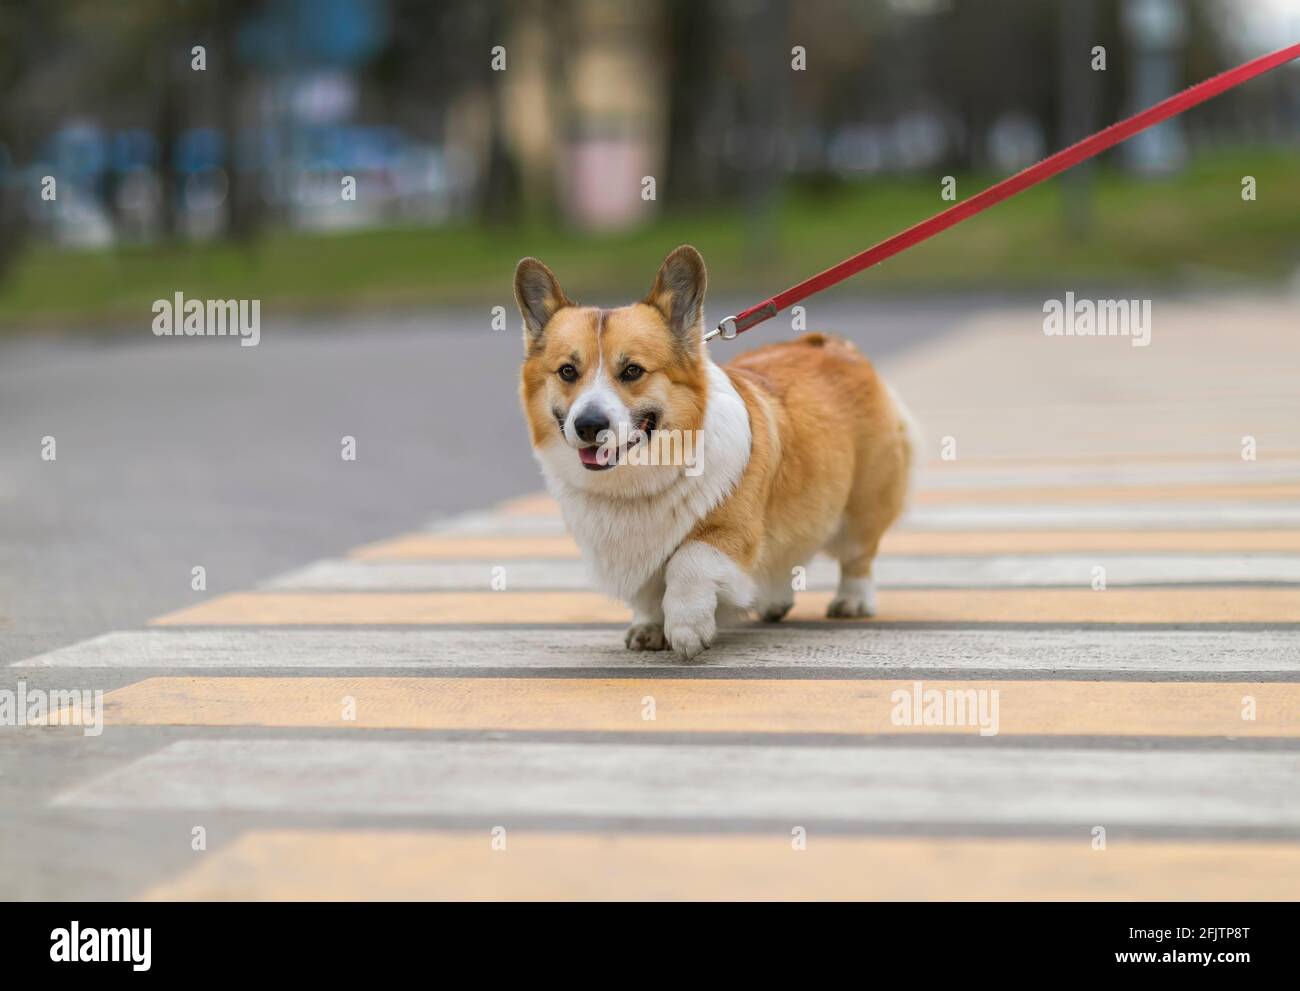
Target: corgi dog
695, 490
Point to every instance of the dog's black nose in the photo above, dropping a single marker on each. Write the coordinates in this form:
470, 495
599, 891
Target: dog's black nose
588, 424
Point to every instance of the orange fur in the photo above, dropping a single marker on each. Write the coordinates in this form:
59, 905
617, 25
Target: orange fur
829, 464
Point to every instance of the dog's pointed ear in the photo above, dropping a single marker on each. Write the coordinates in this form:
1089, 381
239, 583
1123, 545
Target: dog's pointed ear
678, 294
539, 295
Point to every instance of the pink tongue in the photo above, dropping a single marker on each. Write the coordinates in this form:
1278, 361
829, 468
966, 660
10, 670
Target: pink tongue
588, 455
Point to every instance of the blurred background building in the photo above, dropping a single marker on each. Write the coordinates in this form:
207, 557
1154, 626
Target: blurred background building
168, 121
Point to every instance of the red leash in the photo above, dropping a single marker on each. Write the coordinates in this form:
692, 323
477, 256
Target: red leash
1048, 167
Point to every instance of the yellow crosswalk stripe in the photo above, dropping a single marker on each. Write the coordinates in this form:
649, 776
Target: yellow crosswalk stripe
1200, 604
959, 542
1088, 494
435, 547
540, 504
535, 504
1075, 459
696, 705
438, 865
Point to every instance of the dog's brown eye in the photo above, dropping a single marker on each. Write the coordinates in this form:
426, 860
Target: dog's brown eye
568, 373
632, 372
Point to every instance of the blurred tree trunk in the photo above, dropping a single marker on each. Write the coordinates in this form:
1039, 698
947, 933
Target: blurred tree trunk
1078, 109
243, 208
499, 193
763, 123
20, 39
167, 127
559, 28
693, 54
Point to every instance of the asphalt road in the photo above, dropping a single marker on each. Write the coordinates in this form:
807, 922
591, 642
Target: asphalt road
361, 724
173, 453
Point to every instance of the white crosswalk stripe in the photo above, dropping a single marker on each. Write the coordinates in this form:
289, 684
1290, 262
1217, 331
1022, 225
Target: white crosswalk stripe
718, 783
1154, 653
891, 572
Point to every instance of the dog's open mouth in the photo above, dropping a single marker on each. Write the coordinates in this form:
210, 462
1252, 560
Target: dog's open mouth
597, 458
601, 457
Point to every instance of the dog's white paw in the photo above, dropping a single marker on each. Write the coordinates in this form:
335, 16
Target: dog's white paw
855, 598
690, 638
645, 636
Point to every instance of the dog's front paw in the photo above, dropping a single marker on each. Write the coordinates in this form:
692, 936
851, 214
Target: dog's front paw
689, 639
645, 636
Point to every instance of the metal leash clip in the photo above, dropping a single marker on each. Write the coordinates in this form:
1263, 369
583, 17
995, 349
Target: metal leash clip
726, 327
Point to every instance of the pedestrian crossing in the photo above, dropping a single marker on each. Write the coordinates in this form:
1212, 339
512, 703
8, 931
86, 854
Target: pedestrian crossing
502, 743
541, 866
1083, 682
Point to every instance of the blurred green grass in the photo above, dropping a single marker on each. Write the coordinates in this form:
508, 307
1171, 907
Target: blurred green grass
1191, 227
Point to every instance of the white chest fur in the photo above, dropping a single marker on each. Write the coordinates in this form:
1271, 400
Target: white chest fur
628, 532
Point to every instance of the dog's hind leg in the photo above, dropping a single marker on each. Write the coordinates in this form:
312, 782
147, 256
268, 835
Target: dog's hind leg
854, 546
872, 506
876, 500
647, 629
856, 594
